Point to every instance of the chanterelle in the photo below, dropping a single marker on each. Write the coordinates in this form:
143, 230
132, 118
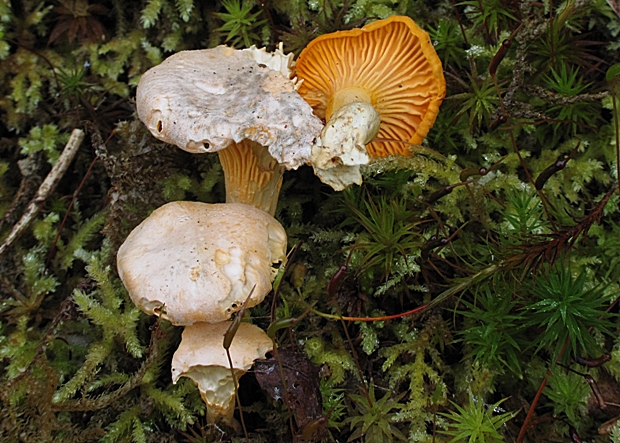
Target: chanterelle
202, 358
198, 262
386, 72
212, 99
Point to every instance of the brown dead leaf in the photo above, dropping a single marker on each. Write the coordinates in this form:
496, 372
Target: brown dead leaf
302, 383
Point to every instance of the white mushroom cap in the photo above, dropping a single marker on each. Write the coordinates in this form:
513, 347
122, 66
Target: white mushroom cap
198, 262
201, 356
204, 100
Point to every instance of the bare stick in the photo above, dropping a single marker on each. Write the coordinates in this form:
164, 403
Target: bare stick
45, 189
228, 338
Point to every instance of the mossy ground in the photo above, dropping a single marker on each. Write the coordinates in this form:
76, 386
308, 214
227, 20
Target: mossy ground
518, 266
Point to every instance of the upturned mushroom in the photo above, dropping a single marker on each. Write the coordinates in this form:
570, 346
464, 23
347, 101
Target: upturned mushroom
202, 358
383, 80
240, 103
198, 262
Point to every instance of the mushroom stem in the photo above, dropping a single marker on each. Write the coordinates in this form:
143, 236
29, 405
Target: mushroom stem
346, 97
252, 176
337, 157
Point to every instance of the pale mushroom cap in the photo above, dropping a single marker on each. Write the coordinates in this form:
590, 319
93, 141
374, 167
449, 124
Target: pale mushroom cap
202, 357
390, 64
202, 101
198, 262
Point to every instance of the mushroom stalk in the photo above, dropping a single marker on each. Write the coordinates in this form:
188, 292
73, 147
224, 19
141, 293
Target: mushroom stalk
252, 175
337, 157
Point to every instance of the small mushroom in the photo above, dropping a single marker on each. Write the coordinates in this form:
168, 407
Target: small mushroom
240, 103
198, 262
202, 357
386, 74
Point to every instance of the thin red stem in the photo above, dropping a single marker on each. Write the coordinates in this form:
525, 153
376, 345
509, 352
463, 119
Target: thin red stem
371, 319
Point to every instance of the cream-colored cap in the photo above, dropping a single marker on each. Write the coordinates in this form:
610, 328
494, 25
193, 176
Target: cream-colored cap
198, 262
201, 356
203, 100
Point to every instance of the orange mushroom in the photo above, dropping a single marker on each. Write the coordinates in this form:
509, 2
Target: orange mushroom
390, 64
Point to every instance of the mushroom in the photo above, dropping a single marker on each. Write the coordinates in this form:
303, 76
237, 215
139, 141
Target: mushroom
198, 262
387, 72
202, 358
240, 103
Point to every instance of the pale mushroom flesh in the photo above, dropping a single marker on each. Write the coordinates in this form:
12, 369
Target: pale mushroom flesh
337, 157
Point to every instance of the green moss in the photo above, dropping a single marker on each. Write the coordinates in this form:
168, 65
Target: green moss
514, 255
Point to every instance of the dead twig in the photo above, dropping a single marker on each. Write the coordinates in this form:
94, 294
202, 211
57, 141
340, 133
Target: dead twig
46, 188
